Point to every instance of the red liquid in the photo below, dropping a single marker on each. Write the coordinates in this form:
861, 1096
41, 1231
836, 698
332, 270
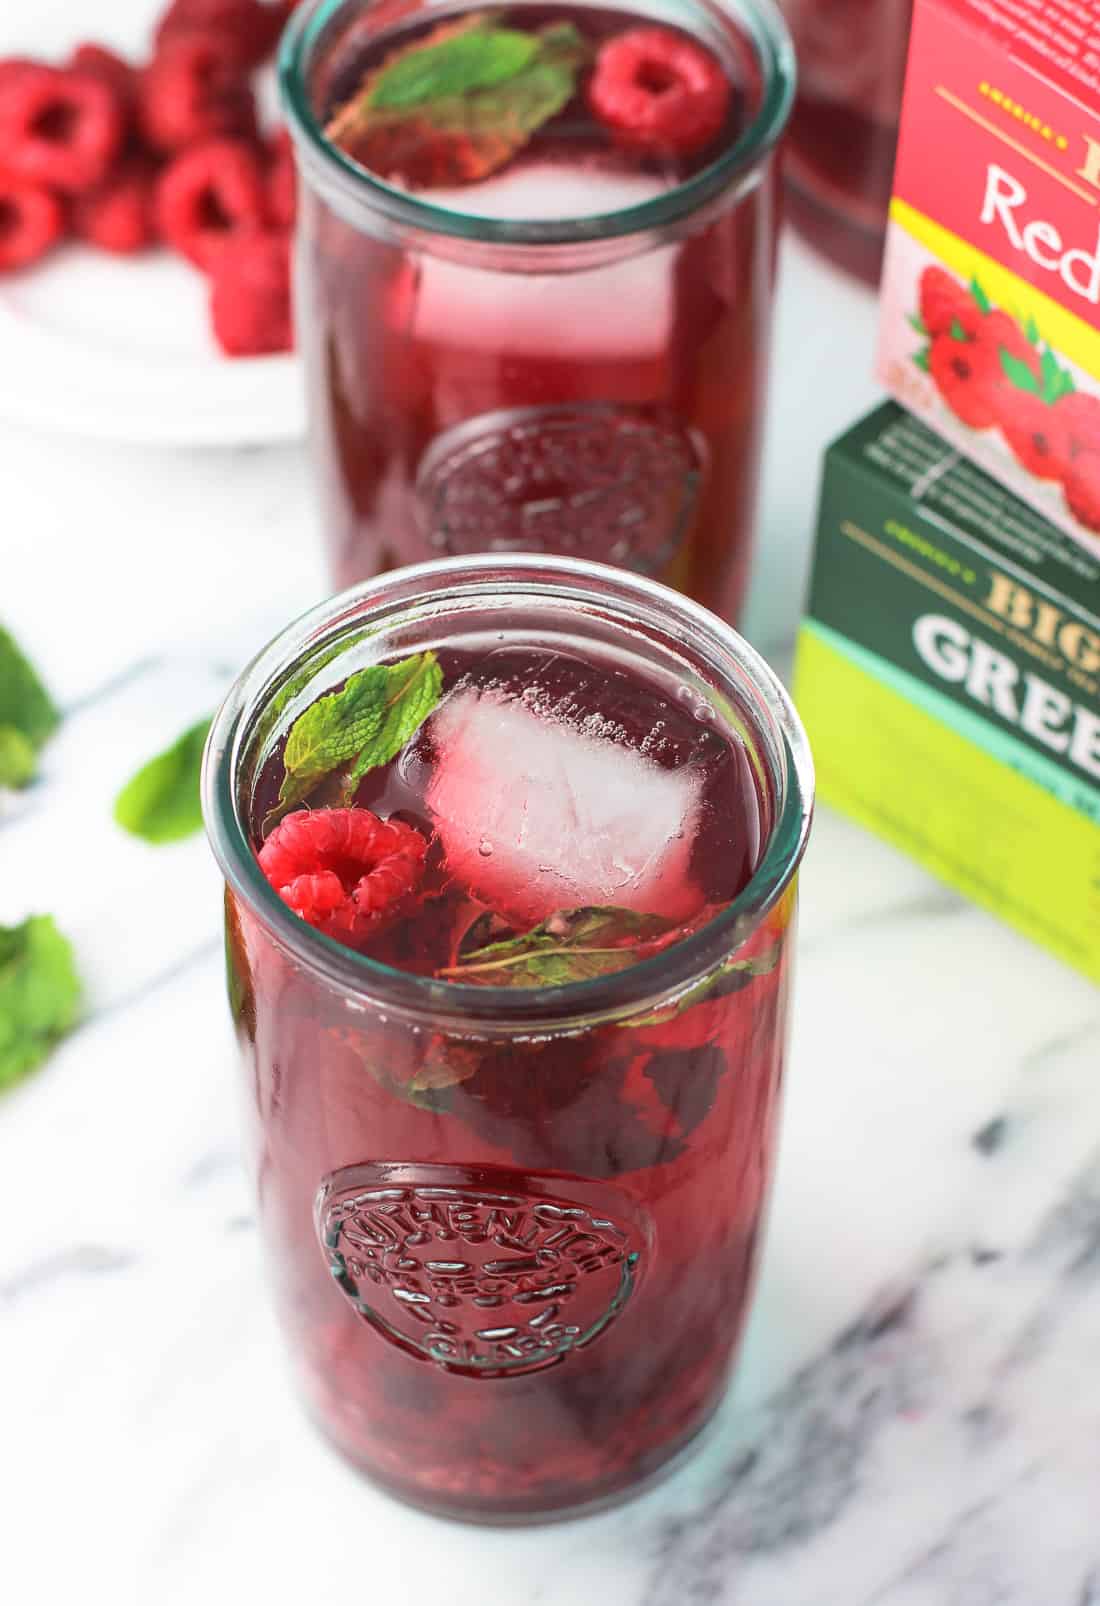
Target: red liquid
514, 1271
839, 155
611, 411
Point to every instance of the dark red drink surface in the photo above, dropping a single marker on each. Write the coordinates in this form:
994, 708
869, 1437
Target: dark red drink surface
608, 409
513, 1268
839, 155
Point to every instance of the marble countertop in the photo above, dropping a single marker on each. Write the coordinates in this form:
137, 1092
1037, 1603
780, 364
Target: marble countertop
916, 1421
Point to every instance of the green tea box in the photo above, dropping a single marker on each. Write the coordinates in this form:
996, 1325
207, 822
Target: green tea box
948, 672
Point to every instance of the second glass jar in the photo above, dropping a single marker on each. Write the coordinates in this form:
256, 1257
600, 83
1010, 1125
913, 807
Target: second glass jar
587, 386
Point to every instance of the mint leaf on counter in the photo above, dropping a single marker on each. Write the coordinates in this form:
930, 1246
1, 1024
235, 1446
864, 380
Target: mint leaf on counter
28, 716
363, 726
574, 945
161, 802
39, 995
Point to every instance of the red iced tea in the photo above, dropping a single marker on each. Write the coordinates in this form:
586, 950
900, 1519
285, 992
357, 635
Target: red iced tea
839, 156
513, 1159
538, 320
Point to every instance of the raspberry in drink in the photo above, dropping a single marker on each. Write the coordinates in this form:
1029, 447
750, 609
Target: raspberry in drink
509, 913
535, 256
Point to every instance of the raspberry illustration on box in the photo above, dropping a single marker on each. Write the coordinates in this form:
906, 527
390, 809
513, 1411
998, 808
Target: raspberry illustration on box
994, 375
123, 157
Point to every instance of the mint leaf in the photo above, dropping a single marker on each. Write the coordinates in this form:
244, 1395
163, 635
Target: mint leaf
574, 945
17, 757
467, 113
26, 710
161, 802
476, 59
1018, 371
731, 977
39, 994
918, 323
365, 725
980, 296
921, 359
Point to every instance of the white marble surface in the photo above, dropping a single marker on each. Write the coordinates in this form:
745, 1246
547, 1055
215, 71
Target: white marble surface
917, 1418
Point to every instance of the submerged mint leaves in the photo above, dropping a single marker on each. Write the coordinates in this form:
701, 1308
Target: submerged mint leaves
28, 716
357, 729
573, 945
39, 995
161, 803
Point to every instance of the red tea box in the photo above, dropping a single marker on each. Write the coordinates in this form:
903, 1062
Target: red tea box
990, 323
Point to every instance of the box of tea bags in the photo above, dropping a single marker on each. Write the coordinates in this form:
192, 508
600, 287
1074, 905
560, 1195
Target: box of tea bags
990, 307
948, 672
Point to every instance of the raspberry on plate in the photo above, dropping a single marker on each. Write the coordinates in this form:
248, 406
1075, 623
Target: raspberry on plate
249, 29
343, 871
657, 90
31, 222
250, 300
945, 305
208, 194
1082, 488
62, 129
118, 217
193, 90
1036, 433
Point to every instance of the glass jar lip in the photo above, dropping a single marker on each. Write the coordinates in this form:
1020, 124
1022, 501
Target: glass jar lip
649, 983
774, 49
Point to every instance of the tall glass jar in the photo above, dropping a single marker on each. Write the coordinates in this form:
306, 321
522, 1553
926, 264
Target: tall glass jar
839, 155
588, 385
512, 1232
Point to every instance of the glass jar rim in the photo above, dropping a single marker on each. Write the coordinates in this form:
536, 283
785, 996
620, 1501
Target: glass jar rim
774, 50
651, 982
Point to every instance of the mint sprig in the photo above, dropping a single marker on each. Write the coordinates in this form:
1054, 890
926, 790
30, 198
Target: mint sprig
161, 802
357, 729
456, 106
573, 945
39, 995
28, 716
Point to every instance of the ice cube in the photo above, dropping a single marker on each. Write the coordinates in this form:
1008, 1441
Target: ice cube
623, 308
536, 815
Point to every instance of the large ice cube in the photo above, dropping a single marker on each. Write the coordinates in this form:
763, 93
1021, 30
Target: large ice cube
536, 815
623, 309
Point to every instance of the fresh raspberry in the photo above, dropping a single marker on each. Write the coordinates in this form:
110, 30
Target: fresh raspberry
343, 870
657, 90
967, 374
1082, 488
249, 29
118, 217
208, 194
31, 221
282, 181
98, 62
194, 91
945, 306
12, 67
63, 129
250, 302
1036, 433
1080, 413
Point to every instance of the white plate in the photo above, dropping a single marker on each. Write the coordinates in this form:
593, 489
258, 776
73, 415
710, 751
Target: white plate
121, 349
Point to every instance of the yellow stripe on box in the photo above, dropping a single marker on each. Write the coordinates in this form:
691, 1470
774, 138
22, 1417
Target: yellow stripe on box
977, 824
1063, 330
